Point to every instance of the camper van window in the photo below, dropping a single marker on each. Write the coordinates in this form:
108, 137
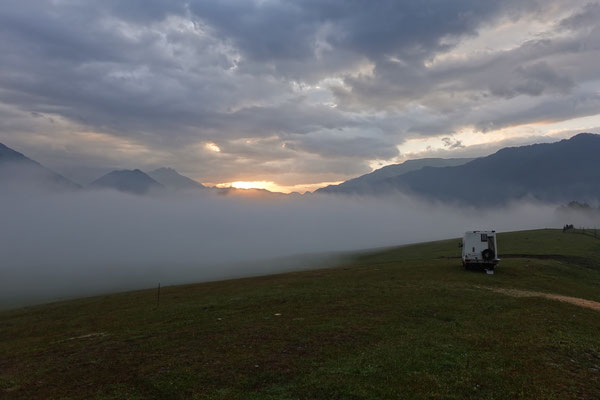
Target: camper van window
484, 237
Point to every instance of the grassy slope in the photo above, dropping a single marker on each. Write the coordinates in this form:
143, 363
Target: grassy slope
403, 323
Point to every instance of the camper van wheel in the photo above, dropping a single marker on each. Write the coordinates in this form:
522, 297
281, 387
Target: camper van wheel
488, 254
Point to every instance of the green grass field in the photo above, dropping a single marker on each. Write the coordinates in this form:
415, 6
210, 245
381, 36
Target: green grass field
407, 322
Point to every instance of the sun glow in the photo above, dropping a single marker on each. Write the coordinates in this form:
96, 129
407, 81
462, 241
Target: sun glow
274, 187
268, 185
211, 146
253, 185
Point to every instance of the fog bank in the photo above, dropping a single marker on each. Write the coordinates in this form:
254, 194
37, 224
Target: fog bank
63, 245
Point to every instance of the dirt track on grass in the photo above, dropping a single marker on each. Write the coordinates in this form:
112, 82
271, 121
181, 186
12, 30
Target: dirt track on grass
592, 305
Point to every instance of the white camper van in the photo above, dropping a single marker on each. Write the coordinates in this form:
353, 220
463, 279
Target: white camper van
480, 250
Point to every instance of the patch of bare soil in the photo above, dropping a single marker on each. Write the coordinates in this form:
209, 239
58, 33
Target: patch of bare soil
593, 305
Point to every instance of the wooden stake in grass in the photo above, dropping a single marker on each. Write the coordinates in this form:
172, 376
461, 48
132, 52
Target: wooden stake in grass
158, 296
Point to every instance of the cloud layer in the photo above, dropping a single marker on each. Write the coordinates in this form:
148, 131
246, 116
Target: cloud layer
295, 92
61, 245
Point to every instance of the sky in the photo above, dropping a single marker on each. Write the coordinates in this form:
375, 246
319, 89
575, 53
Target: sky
290, 95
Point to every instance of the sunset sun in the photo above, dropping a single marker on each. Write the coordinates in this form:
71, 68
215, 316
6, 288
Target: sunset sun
253, 185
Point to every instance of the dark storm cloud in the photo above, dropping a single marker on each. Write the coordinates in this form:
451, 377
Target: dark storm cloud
555, 110
533, 68
293, 117
336, 81
587, 17
532, 80
274, 30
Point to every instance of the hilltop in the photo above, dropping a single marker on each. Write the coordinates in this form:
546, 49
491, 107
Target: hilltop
406, 322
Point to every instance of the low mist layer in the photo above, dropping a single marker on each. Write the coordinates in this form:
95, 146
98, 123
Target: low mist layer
63, 245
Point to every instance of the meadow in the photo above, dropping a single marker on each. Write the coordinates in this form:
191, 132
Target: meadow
405, 322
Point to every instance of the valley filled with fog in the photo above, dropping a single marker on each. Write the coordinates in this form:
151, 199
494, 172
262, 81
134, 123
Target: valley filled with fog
61, 245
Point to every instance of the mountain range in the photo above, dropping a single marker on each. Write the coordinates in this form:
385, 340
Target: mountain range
557, 172
561, 171
18, 171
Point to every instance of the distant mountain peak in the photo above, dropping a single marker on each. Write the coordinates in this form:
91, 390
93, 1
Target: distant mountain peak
584, 136
127, 180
